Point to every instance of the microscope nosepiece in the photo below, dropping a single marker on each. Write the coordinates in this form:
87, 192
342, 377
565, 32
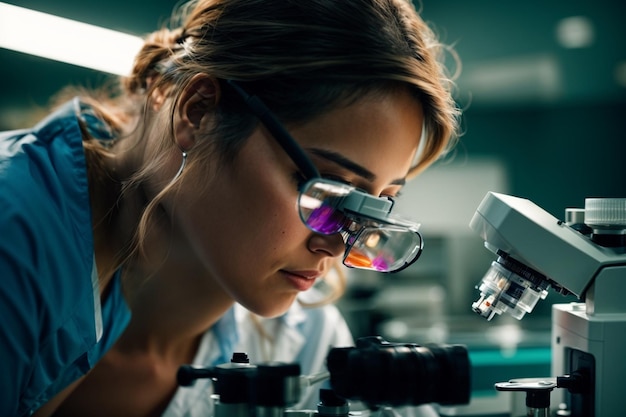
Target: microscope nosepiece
509, 286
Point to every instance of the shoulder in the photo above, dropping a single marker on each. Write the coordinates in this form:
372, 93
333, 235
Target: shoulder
46, 256
326, 315
325, 324
44, 197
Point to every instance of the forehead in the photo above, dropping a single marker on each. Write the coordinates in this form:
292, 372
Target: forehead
379, 132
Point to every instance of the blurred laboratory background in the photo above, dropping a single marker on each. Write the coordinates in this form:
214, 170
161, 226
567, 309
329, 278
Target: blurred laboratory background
542, 85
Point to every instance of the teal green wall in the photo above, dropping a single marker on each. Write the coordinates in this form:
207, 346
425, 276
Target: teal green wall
556, 156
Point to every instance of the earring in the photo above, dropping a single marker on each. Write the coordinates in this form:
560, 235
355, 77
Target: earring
182, 166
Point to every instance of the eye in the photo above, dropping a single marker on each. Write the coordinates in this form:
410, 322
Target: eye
392, 196
337, 178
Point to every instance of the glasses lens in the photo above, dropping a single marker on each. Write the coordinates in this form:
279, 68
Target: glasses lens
318, 204
383, 248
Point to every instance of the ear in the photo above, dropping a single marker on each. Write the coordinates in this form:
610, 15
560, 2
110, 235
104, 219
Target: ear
194, 105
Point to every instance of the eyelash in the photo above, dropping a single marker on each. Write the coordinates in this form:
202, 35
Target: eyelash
337, 178
300, 181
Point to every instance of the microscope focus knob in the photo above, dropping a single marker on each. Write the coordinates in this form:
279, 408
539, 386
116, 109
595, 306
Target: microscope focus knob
605, 212
607, 219
576, 383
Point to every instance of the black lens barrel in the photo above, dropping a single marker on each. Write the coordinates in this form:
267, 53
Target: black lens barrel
377, 372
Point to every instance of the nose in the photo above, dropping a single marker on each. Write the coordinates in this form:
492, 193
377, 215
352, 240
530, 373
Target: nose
330, 245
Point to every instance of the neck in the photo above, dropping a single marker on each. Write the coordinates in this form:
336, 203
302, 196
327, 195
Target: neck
115, 215
104, 194
171, 307
172, 297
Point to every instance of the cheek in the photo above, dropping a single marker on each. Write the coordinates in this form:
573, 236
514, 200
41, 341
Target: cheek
259, 233
243, 228
245, 223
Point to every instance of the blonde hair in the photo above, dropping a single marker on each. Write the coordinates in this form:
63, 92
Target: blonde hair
301, 57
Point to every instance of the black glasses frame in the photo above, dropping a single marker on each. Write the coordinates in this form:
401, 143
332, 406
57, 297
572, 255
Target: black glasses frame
284, 139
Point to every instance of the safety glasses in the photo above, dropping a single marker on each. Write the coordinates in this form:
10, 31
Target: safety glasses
374, 240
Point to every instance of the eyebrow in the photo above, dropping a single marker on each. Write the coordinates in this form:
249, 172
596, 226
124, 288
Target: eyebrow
350, 165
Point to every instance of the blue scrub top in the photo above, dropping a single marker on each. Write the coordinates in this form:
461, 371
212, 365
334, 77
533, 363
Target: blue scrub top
52, 326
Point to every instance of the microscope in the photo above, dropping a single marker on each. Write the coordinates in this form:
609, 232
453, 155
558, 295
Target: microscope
583, 255
379, 374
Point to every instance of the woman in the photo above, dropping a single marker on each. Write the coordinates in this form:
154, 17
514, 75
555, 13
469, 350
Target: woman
179, 190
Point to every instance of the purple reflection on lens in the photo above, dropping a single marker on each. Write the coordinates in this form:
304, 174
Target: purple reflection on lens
326, 220
380, 264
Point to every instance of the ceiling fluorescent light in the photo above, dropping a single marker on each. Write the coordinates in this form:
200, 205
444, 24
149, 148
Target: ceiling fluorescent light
67, 40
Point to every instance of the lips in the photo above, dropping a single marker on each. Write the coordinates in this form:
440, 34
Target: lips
301, 280
305, 274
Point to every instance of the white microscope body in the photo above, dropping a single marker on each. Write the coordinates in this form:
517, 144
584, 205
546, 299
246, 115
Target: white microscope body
537, 251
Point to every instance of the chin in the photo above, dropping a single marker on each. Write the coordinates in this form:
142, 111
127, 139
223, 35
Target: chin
271, 309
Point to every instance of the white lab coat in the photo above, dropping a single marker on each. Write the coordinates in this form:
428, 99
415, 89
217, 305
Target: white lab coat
302, 335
